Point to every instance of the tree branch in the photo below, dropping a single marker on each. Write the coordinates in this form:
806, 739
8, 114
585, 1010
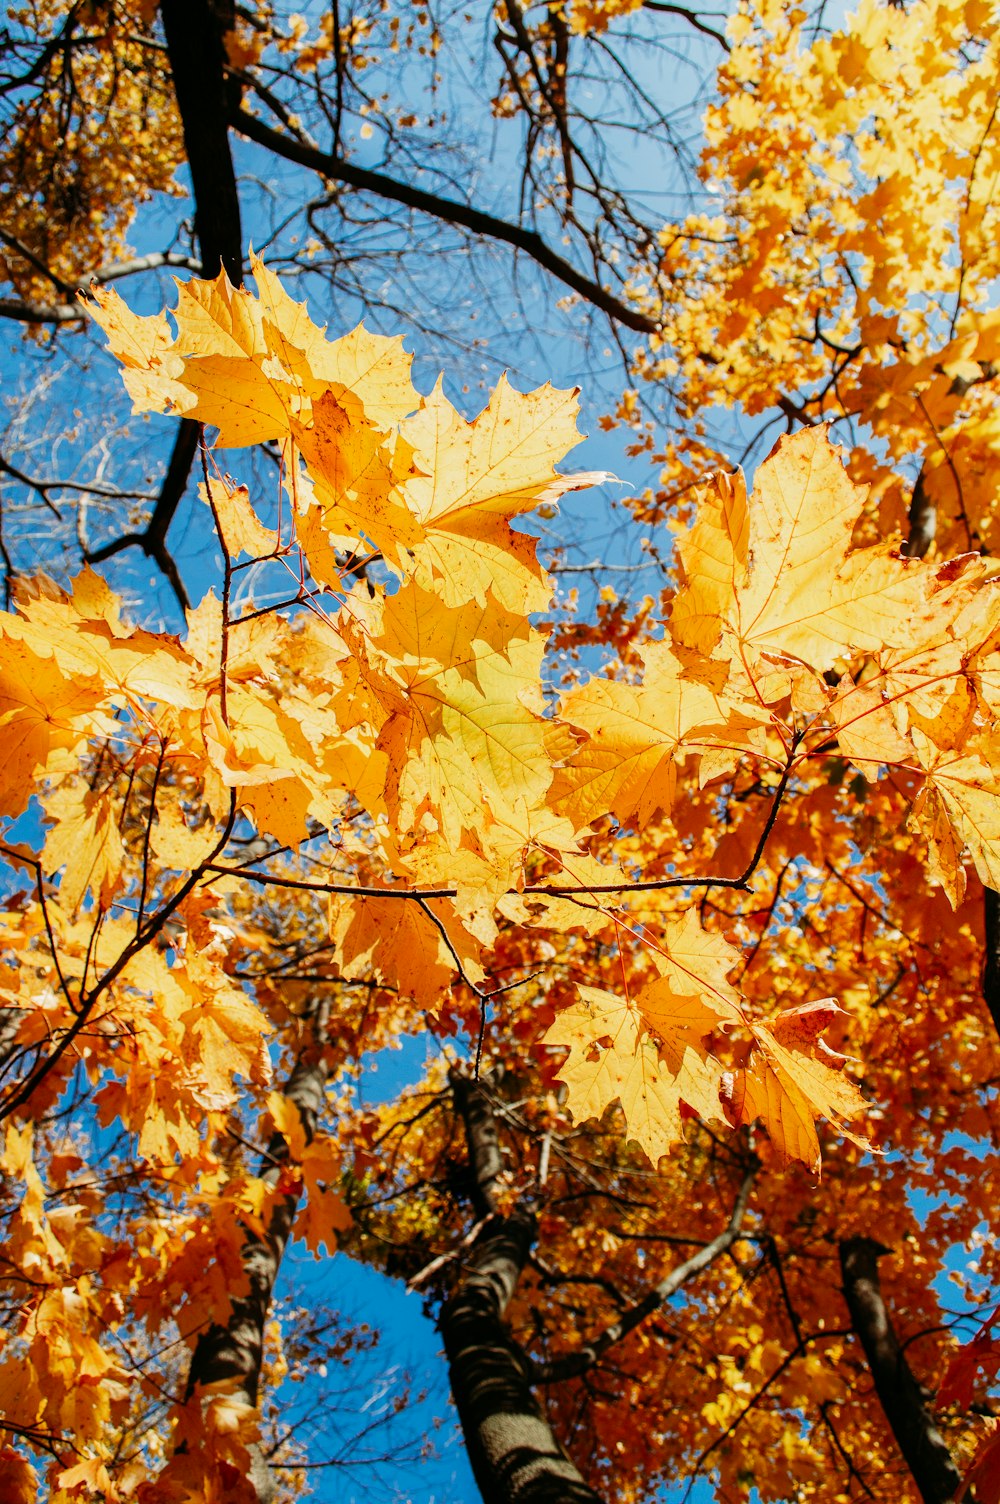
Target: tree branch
71, 313
197, 59
193, 29
153, 538
451, 211
921, 1443
41, 313
135, 265
571, 1365
692, 18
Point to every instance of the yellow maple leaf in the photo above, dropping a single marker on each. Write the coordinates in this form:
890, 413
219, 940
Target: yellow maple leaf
248, 365
18, 1480
150, 364
241, 528
968, 784
778, 577
867, 729
41, 712
478, 475
455, 698
86, 842
790, 1079
223, 1029
373, 368
635, 736
318, 1161
91, 1473
929, 815
85, 639
613, 1058
396, 942
357, 477
693, 964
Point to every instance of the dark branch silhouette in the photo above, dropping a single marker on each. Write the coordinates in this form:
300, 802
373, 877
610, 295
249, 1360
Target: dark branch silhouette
451, 211
205, 95
991, 966
153, 537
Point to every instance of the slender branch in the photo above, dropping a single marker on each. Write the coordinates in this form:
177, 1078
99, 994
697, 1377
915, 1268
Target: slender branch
691, 17
88, 997
23, 312
650, 885
43, 487
833, 1334
147, 835
598, 568
572, 1365
227, 589
27, 254
153, 538
135, 265
443, 1259
771, 1246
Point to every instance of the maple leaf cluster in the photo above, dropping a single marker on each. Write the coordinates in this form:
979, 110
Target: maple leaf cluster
843, 265
388, 741
98, 137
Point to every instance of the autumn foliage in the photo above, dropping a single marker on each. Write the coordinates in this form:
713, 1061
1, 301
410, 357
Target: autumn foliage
690, 895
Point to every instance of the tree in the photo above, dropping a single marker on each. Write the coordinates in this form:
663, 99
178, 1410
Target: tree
365, 810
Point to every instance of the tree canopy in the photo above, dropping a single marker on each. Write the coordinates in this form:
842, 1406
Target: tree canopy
693, 891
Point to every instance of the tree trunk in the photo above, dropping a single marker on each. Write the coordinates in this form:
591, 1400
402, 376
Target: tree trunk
921, 1443
514, 1453
233, 1353
991, 966
194, 30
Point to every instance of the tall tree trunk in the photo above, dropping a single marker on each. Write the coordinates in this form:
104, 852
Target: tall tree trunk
514, 1453
205, 95
233, 1353
921, 1443
194, 30
991, 965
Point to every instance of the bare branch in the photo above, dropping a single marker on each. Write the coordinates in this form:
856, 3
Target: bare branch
692, 17
153, 538
451, 211
40, 313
